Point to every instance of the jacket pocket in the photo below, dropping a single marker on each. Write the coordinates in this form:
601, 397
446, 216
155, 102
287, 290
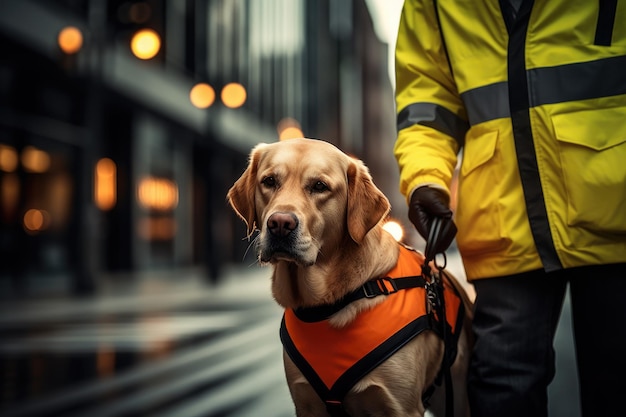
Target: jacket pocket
478, 213
592, 149
478, 151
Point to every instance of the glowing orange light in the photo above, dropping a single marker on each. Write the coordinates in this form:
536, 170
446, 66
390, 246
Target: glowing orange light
70, 39
202, 95
9, 194
35, 160
145, 44
158, 194
8, 158
105, 187
395, 229
291, 133
105, 361
233, 95
36, 220
289, 128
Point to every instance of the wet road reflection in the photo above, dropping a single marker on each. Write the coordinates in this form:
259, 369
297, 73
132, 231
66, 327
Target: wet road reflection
196, 351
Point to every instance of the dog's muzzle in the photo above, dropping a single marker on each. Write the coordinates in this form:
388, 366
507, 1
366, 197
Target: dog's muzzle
281, 224
281, 238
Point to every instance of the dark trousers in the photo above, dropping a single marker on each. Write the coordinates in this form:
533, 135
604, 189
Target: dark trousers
515, 320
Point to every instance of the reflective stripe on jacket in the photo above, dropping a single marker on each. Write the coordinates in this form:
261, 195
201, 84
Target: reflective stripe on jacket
334, 359
538, 104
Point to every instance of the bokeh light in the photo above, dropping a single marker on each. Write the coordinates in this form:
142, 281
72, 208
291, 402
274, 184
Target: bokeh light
234, 95
202, 95
36, 220
35, 160
8, 158
70, 40
395, 229
145, 44
105, 187
157, 194
289, 128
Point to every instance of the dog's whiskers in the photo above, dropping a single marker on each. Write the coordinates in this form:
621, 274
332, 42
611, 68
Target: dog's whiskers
254, 242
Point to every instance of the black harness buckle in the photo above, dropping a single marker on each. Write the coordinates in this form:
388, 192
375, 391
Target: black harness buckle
378, 286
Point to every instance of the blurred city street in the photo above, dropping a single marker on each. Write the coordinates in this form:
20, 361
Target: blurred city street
125, 286
169, 344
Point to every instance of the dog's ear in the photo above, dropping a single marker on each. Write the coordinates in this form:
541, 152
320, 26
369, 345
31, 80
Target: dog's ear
241, 194
367, 205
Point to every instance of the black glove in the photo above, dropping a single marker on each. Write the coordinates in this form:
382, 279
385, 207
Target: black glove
428, 203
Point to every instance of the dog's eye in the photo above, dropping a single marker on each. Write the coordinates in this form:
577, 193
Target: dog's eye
269, 182
319, 187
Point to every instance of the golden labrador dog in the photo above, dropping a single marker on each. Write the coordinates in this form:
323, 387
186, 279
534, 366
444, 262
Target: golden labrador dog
320, 220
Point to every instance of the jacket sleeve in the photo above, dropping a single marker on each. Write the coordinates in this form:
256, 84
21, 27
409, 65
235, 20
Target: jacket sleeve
431, 119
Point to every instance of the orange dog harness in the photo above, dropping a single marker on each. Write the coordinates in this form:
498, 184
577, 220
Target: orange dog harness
334, 359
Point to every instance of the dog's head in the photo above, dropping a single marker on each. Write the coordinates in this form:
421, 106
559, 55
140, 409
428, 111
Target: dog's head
306, 197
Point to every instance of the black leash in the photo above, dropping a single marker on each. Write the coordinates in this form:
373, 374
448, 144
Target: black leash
437, 242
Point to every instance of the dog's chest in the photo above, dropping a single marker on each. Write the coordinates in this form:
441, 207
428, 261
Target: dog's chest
370, 339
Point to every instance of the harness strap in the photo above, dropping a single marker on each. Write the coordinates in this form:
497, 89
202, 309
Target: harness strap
335, 409
371, 289
333, 396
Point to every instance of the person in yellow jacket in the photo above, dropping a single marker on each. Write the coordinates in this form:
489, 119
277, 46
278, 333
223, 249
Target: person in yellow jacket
533, 94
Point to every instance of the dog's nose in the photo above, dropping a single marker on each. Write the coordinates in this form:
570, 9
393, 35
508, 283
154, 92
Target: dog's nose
281, 224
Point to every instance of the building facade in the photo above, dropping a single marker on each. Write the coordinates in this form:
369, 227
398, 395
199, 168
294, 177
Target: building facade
108, 163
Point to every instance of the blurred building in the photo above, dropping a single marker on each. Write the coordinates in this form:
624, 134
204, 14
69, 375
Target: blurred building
116, 155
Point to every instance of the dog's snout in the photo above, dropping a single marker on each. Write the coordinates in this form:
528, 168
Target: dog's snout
281, 224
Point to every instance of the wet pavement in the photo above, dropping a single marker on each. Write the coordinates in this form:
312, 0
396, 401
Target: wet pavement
168, 344
157, 346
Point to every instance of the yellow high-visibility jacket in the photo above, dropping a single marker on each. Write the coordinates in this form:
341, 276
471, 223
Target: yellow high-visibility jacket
537, 102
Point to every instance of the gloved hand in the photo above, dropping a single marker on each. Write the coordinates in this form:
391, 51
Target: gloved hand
428, 203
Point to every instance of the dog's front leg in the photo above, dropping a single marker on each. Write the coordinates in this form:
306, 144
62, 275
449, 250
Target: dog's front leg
377, 401
305, 399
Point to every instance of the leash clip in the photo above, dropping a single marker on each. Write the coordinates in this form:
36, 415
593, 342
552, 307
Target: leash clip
433, 294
